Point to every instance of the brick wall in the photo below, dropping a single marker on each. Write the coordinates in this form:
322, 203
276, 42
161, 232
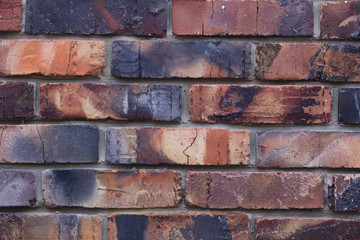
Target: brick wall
187, 119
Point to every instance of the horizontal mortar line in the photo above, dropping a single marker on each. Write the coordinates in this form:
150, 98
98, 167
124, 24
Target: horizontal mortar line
254, 39
254, 128
257, 213
178, 81
182, 169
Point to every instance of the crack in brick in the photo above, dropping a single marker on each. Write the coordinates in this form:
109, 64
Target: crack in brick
42, 143
208, 183
70, 50
193, 141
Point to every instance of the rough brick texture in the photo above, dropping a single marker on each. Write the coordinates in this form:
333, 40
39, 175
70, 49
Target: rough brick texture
348, 108
190, 225
16, 100
243, 17
183, 146
145, 17
306, 228
271, 190
17, 188
92, 188
181, 59
52, 57
50, 226
136, 102
10, 15
48, 144
340, 20
303, 149
308, 61
260, 104
343, 192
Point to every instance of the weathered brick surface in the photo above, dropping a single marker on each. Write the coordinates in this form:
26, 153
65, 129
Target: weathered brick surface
343, 192
285, 18
273, 190
50, 226
260, 104
52, 57
304, 149
348, 108
10, 15
244, 17
190, 225
308, 61
306, 228
16, 100
340, 20
17, 188
137, 102
219, 17
184, 146
92, 188
48, 144
181, 59
145, 17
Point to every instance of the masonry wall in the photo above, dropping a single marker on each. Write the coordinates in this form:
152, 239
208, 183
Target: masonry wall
187, 119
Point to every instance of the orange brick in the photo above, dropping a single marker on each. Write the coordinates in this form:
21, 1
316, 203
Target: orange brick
52, 58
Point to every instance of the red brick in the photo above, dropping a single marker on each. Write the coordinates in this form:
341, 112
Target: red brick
50, 226
52, 57
16, 100
340, 20
306, 228
260, 104
235, 17
343, 192
136, 102
308, 61
308, 149
44, 143
273, 190
10, 15
17, 188
243, 17
184, 146
90, 188
189, 225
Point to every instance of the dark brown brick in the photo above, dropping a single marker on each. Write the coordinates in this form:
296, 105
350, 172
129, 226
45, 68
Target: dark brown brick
348, 106
50, 226
181, 59
344, 192
49, 144
273, 190
52, 57
340, 20
285, 18
308, 61
184, 146
189, 225
120, 17
90, 188
17, 188
136, 102
306, 228
219, 17
304, 149
16, 100
260, 104
10, 15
